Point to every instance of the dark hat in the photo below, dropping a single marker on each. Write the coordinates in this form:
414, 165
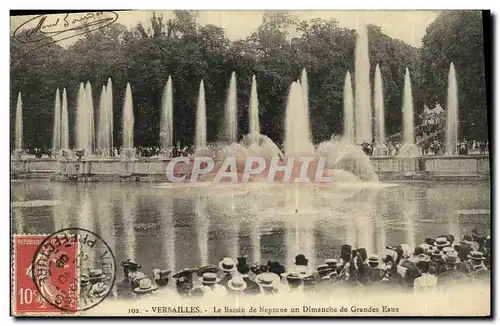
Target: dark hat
323, 268
345, 252
210, 278
430, 241
301, 260
257, 269
207, 269
448, 237
84, 280
130, 264
186, 272
418, 251
161, 274
476, 255
466, 239
242, 261
275, 267
362, 253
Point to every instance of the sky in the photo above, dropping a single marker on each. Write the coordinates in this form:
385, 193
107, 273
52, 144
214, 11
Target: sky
408, 26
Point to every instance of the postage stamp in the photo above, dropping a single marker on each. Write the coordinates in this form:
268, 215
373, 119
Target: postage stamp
251, 163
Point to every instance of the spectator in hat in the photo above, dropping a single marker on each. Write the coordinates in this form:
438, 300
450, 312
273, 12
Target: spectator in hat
184, 281
426, 282
243, 268
377, 273
236, 286
441, 242
124, 288
211, 280
294, 280
479, 272
437, 263
228, 266
323, 272
199, 292
451, 276
145, 287
309, 283
269, 283
332, 263
301, 263
99, 290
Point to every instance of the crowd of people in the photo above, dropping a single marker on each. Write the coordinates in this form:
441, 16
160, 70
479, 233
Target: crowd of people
434, 264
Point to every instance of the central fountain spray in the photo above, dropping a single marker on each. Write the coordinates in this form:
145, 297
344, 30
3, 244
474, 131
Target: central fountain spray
349, 127
254, 113
409, 148
201, 121
128, 124
452, 113
362, 82
231, 129
380, 148
166, 122
84, 120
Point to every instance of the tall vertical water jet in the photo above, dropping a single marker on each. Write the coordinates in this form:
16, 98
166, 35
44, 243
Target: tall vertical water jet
254, 112
128, 122
349, 126
56, 131
378, 89
89, 100
297, 141
103, 129
452, 113
166, 120
409, 148
305, 98
109, 105
363, 109
231, 128
82, 128
379, 107
201, 121
64, 122
18, 140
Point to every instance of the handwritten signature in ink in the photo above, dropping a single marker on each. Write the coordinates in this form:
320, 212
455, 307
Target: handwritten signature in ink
55, 28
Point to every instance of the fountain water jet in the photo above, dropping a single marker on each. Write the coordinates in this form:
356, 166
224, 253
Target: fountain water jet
452, 113
109, 106
167, 124
305, 98
409, 148
128, 124
380, 148
254, 113
56, 132
89, 100
18, 140
64, 122
201, 121
84, 121
297, 140
363, 110
349, 127
103, 129
231, 128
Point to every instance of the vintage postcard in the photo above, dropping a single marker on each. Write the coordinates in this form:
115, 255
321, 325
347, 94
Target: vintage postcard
250, 163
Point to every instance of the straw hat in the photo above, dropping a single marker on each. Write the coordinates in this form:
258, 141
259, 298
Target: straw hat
237, 284
209, 278
99, 290
145, 285
441, 242
227, 265
267, 280
476, 255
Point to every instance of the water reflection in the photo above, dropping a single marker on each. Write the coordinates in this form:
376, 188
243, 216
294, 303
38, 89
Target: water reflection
194, 228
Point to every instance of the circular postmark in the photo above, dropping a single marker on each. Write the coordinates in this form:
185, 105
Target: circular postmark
74, 269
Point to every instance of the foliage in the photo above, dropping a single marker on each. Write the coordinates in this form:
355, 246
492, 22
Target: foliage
145, 56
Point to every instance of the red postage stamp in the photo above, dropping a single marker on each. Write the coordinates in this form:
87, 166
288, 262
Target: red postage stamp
27, 298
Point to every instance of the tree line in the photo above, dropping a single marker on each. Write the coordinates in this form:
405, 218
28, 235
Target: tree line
147, 54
